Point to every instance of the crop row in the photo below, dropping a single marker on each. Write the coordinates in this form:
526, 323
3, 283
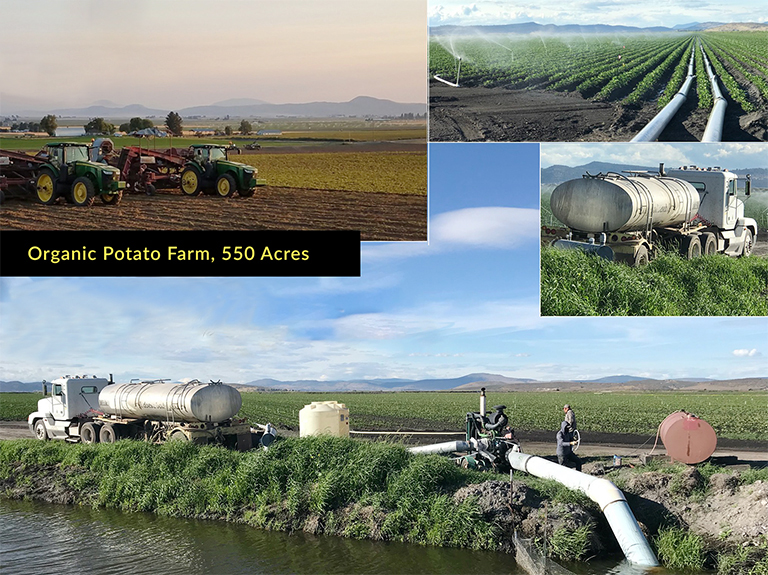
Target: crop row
734, 89
755, 79
703, 87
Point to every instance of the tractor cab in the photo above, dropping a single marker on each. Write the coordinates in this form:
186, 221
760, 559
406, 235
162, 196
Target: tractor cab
203, 153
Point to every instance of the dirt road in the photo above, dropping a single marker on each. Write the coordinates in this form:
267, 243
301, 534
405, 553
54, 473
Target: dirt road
378, 216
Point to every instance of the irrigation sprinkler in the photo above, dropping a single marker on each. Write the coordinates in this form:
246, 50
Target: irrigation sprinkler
454, 84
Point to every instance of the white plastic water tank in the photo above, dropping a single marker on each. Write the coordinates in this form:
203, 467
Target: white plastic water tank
324, 418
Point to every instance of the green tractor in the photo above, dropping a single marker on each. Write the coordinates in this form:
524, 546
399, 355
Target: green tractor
211, 172
68, 172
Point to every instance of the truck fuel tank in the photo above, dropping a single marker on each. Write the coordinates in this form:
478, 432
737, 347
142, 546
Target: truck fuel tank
615, 202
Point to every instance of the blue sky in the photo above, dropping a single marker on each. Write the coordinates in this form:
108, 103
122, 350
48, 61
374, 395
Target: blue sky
466, 302
616, 12
179, 53
730, 155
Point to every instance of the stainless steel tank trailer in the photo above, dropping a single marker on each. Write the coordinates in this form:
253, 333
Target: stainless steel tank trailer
96, 410
488, 439
631, 216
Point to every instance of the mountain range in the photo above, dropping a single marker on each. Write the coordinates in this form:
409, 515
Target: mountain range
361, 107
557, 173
475, 381
535, 28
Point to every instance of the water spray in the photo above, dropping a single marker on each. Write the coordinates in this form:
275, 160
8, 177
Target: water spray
458, 71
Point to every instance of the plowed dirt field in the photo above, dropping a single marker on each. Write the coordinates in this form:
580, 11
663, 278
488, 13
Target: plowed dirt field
378, 216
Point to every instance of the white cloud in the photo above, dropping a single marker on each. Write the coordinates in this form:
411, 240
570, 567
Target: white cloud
746, 352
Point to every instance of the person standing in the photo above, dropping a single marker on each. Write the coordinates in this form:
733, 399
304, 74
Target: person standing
570, 417
565, 441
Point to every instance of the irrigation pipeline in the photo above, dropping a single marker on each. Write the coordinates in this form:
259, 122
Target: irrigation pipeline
655, 127
714, 130
454, 84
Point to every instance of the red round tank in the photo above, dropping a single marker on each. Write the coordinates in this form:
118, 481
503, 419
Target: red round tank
687, 438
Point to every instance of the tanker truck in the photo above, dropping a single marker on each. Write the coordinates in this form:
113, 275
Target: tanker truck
631, 216
92, 410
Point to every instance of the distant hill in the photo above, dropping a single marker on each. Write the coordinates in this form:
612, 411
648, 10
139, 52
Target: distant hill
557, 174
474, 381
361, 107
535, 28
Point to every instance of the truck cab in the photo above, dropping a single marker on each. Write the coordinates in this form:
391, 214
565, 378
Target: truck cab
71, 399
721, 212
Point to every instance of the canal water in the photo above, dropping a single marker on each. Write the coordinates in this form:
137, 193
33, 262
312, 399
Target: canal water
42, 538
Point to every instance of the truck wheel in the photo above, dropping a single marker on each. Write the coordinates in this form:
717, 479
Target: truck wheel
708, 244
89, 433
46, 187
109, 433
112, 199
178, 435
690, 247
190, 182
40, 431
641, 257
225, 186
83, 192
748, 244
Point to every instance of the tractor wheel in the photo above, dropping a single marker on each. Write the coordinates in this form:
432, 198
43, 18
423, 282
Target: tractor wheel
109, 433
89, 433
641, 257
40, 431
748, 245
112, 199
225, 186
708, 244
150, 189
690, 247
191, 182
83, 192
46, 187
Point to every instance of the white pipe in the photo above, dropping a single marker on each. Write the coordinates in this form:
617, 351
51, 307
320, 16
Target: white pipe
609, 497
656, 126
714, 130
447, 447
454, 84
482, 402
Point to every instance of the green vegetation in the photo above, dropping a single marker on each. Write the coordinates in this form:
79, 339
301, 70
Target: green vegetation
680, 549
736, 415
570, 544
628, 68
326, 485
574, 284
385, 172
744, 560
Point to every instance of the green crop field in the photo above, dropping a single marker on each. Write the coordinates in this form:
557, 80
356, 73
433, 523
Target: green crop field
628, 69
388, 172
737, 415
574, 284
734, 415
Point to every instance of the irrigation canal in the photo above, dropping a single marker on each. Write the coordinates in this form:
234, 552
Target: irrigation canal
38, 538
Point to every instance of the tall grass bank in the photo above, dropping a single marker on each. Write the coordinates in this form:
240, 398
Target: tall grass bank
576, 284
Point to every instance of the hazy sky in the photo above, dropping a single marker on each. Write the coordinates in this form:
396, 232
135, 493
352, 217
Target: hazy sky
616, 12
730, 155
466, 302
178, 53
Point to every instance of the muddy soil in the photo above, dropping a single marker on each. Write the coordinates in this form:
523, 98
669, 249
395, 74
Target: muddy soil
497, 114
378, 216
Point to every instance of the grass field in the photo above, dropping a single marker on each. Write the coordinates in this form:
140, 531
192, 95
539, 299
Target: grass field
389, 172
736, 415
576, 284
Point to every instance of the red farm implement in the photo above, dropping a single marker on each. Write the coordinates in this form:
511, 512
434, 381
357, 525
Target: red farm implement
17, 171
147, 170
